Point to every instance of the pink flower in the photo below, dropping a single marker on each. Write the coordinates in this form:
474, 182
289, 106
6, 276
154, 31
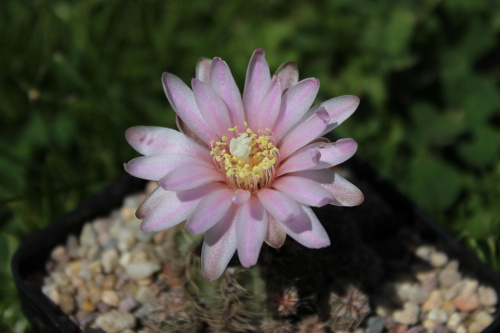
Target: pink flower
244, 169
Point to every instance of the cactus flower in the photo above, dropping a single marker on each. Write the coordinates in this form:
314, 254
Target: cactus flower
244, 169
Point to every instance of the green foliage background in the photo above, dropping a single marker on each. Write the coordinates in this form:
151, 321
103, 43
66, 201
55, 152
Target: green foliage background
75, 74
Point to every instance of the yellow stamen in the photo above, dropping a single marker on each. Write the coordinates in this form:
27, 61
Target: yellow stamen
250, 162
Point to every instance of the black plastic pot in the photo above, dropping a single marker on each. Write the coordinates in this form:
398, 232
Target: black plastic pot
387, 223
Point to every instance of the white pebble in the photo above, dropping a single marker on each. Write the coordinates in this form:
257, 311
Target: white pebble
438, 259
142, 269
110, 297
409, 314
438, 316
487, 296
424, 252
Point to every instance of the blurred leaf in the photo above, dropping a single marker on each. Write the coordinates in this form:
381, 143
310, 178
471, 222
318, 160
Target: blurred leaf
434, 185
483, 149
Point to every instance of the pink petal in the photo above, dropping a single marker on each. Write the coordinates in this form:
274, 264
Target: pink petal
344, 193
303, 159
335, 153
256, 84
275, 236
240, 196
174, 208
181, 125
190, 176
282, 207
151, 140
269, 108
303, 133
182, 100
203, 69
303, 190
319, 155
289, 74
212, 107
150, 202
209, 211
294, 105
338, 108
222, 82
154, 167
251, 228
314, 237
219, 246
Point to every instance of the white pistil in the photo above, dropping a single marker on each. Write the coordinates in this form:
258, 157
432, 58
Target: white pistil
240, 146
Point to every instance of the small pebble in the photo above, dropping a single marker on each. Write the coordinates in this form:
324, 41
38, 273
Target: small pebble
109, 260
114, 321
72, 246
424, 252
51, 292
449, 275
408, 315
59, 254
438, 316
88, 237
375, 325
67, 303
438, 259
127, 304
110, 297
466, 302
454, 321
141, 270
487, 296
434, 301
483, 318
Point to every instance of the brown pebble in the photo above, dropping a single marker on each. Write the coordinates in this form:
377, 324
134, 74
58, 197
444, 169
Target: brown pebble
87, 306
67, 303
108, 282
466, 302
159, 237
110, 297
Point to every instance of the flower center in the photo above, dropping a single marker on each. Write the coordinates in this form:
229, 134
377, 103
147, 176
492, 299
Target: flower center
250, 162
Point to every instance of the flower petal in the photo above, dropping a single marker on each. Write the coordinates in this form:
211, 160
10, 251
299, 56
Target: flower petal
335, 153
251, 227
256, 84
240, 196
209, 211
174, 208
150, 202
182, 100
212, 107
275, 236
203, 69
154, 167
303, 133
319, 155
344, 193
270, 106
303, 190
152, 140
189, 176
222, 82
289, 75
294, 105
182, 127
338, 108
219, 246
314, 237
281, 206
303, 159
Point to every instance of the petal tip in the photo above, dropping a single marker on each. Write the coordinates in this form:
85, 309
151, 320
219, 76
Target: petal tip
323, 115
